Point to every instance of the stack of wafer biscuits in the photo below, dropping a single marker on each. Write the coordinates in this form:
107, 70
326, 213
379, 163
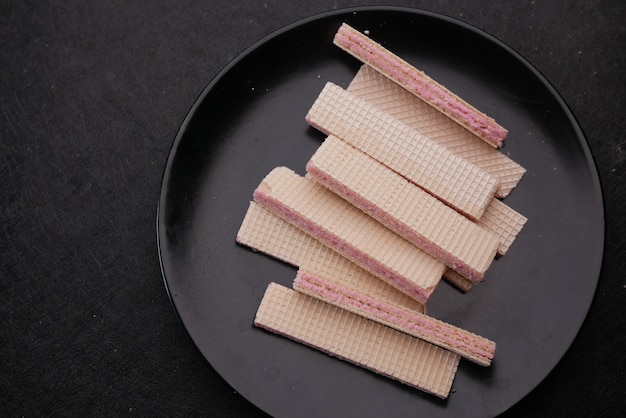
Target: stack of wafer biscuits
404, 191
373, 87
419, 84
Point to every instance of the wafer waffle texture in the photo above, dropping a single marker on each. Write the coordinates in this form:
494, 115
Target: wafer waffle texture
419, 84
357, 340
405, 208
457, 280
349, 231
264, 231
437, 170
389, 97
498, 217
473, 347
503, 221
372, 86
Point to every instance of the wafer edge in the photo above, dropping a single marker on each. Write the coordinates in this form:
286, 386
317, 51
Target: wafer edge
418, 83
305, 329
468, 345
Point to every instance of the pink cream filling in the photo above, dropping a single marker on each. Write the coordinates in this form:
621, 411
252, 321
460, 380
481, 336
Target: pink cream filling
394, 224
424, 327
375, 55
343, 247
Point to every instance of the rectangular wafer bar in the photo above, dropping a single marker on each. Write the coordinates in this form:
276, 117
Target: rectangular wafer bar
372, 86
449, 177
357, 340
457, 280
391, 98
419, 84
264, 231
473, 347
346, 229
503, 221
403, 207
506, 223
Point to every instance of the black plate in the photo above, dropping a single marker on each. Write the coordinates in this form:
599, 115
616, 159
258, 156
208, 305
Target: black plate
250, 119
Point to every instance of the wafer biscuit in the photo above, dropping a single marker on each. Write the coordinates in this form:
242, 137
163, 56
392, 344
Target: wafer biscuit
473, 347
349, 231
449, 177
503, 221
357, 340
264, 231
403, 207
418, 83
458, 281
372, 86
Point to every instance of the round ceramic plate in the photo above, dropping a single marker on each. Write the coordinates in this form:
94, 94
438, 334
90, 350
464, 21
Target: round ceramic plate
250, 119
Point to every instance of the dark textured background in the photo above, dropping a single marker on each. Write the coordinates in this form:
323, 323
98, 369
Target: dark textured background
92, 94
